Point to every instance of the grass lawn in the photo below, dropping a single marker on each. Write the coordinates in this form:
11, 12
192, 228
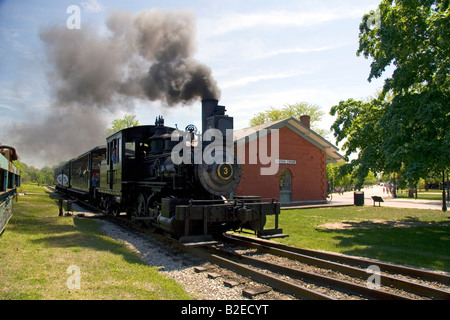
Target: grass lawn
38, 247
423, 195
405, 236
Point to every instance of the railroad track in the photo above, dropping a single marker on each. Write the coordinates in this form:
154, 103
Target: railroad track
339, 276
290, 279
294, 281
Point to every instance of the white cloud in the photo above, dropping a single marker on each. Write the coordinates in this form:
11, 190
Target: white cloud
238, 21
240, 82
300, 50
92, 6
277, 18
4, 106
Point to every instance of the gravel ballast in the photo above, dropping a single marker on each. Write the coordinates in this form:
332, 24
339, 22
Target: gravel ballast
174, 265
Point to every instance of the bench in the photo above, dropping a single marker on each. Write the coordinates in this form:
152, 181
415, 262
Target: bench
377, 199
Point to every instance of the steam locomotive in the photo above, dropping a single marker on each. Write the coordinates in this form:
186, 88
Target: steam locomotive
169, 179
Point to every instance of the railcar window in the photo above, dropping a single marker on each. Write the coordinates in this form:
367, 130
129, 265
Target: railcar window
119, 150
130, 150
97, 160
114, 150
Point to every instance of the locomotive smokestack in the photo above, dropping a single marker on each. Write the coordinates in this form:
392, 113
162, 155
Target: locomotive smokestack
208, 108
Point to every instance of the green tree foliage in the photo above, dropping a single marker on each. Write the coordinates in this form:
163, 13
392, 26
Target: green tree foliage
342, 176
127, 121
406, 128
291, 110
340, 179
42, 176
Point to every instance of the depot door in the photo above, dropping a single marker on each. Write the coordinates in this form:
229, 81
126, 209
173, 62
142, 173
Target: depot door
286, 186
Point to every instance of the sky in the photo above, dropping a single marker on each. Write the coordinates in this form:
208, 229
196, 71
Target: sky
261, 54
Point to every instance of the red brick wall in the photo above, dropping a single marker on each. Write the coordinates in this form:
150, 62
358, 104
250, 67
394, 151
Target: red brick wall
308, 175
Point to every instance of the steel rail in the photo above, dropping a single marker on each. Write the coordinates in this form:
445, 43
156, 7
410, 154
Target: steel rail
358, 262
349, 270
274, 282
332, 283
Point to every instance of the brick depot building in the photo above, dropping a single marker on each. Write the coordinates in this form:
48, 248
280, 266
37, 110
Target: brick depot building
299, 170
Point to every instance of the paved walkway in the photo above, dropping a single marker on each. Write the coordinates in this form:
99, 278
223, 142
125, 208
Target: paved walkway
389, 201
348, 199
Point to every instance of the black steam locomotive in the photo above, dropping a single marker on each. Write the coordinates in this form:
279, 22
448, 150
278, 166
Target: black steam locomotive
140, 172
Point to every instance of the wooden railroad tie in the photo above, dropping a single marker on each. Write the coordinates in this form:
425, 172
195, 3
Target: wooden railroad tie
254, 291
230, 283
214, 275
203, 269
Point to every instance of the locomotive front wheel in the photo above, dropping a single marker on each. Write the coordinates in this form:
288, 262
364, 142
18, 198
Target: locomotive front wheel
152, 206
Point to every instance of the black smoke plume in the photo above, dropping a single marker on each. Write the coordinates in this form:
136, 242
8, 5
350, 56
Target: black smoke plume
146, 56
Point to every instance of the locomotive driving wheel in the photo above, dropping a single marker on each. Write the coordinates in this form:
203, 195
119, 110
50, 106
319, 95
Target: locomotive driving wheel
152, 211
114, 210
111, 208
140, 210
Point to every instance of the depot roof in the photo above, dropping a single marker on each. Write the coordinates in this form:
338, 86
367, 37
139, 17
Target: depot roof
246, 135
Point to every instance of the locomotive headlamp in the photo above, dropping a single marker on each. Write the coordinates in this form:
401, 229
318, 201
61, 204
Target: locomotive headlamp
225, 171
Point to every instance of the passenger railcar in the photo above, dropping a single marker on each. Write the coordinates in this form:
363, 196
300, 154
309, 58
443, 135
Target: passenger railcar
9, 181
81, 176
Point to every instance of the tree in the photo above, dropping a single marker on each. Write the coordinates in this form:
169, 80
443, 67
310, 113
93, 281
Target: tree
127, 121
46, 176
339, 178
406, 127
357, 125
291, 110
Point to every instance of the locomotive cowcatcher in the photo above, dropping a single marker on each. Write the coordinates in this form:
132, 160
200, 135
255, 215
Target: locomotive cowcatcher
137, 172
